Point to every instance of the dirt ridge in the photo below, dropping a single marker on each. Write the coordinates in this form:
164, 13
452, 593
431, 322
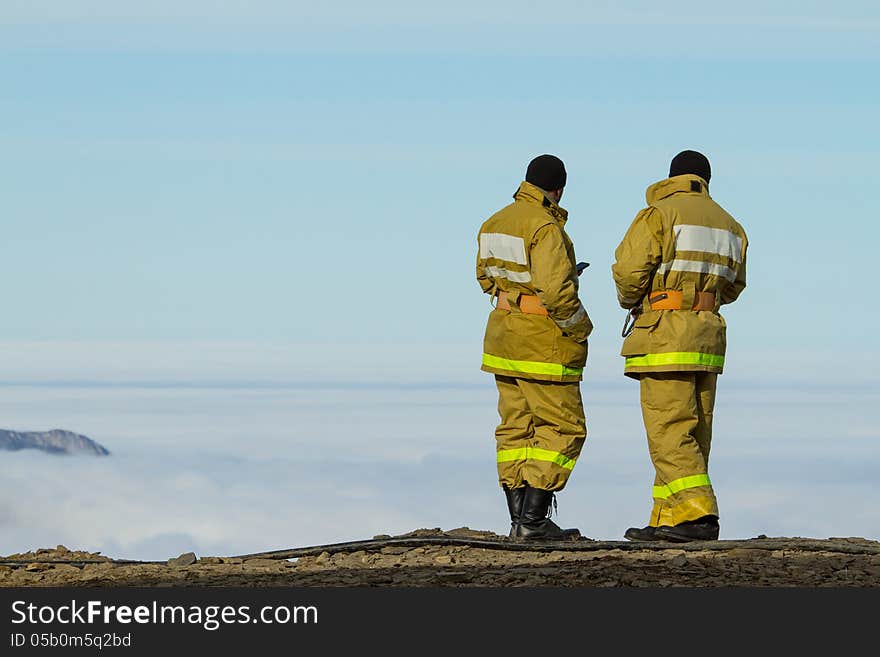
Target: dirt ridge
462, 557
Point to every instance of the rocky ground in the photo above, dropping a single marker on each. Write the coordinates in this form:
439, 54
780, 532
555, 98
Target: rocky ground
468, 558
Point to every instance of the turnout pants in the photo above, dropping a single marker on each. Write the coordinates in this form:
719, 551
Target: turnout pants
677, 411
541, 434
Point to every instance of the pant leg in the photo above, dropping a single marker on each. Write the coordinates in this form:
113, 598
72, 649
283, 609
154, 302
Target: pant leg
514, 434
560, 430
673, 421
706, 383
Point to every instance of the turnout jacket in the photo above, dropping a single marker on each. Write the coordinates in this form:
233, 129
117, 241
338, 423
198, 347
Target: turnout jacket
683, 240
523, 249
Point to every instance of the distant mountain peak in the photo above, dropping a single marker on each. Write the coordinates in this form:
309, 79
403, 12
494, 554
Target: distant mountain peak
54, 441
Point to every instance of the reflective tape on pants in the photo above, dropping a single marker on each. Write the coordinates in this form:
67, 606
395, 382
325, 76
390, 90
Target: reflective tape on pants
536, 454
678, 485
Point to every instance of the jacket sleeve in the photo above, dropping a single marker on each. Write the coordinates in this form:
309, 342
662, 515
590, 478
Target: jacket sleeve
485, 282
730, 293
555, 281
637, 257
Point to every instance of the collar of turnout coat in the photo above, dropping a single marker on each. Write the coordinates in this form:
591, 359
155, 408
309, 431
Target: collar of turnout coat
528, 193
688, 183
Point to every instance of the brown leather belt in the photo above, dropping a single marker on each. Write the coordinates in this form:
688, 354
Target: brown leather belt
671, 300
528, 303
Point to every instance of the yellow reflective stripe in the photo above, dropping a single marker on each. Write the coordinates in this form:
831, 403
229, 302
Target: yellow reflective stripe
673, 487
535, 454
530, 366
676, 358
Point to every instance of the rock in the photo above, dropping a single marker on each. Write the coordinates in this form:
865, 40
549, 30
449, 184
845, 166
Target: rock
263, 563
745, 553
185, 559
56, 441
37, 566
678, 561
65, 568
777, 562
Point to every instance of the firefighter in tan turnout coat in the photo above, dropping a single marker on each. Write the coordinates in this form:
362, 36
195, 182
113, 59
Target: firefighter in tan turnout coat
682, 258
535, 344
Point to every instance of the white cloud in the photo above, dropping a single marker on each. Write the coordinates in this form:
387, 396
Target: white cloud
231, 471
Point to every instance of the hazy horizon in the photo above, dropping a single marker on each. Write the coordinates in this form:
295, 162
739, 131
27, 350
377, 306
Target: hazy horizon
223, 468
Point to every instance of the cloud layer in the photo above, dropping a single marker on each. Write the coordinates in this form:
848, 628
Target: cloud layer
240, 470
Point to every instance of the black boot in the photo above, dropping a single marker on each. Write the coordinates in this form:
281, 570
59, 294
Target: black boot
701, 529
534, 521
514, 505
644, 534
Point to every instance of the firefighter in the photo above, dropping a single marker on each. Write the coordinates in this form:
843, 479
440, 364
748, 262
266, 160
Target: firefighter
682, 258
535, 343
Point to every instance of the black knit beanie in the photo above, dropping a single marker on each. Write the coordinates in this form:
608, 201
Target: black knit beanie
690, 162
546, 172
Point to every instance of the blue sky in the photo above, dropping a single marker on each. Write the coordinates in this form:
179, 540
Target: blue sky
279, 192
164, 181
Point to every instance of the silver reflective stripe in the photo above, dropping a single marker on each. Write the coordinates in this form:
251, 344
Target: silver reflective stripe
578, 316
503, 247
515, 276
708, 240
698, 267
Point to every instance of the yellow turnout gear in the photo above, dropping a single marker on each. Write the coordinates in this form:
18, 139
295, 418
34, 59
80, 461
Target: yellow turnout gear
684, 242
677, 411
535, 342
688, 255
524, 250
541, 433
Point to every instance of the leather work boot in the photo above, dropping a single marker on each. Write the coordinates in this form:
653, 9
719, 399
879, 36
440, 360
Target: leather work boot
701, 529
534, 520
514, 505
645, 534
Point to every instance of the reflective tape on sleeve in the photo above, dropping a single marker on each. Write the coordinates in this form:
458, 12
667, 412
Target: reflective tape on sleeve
579, 315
